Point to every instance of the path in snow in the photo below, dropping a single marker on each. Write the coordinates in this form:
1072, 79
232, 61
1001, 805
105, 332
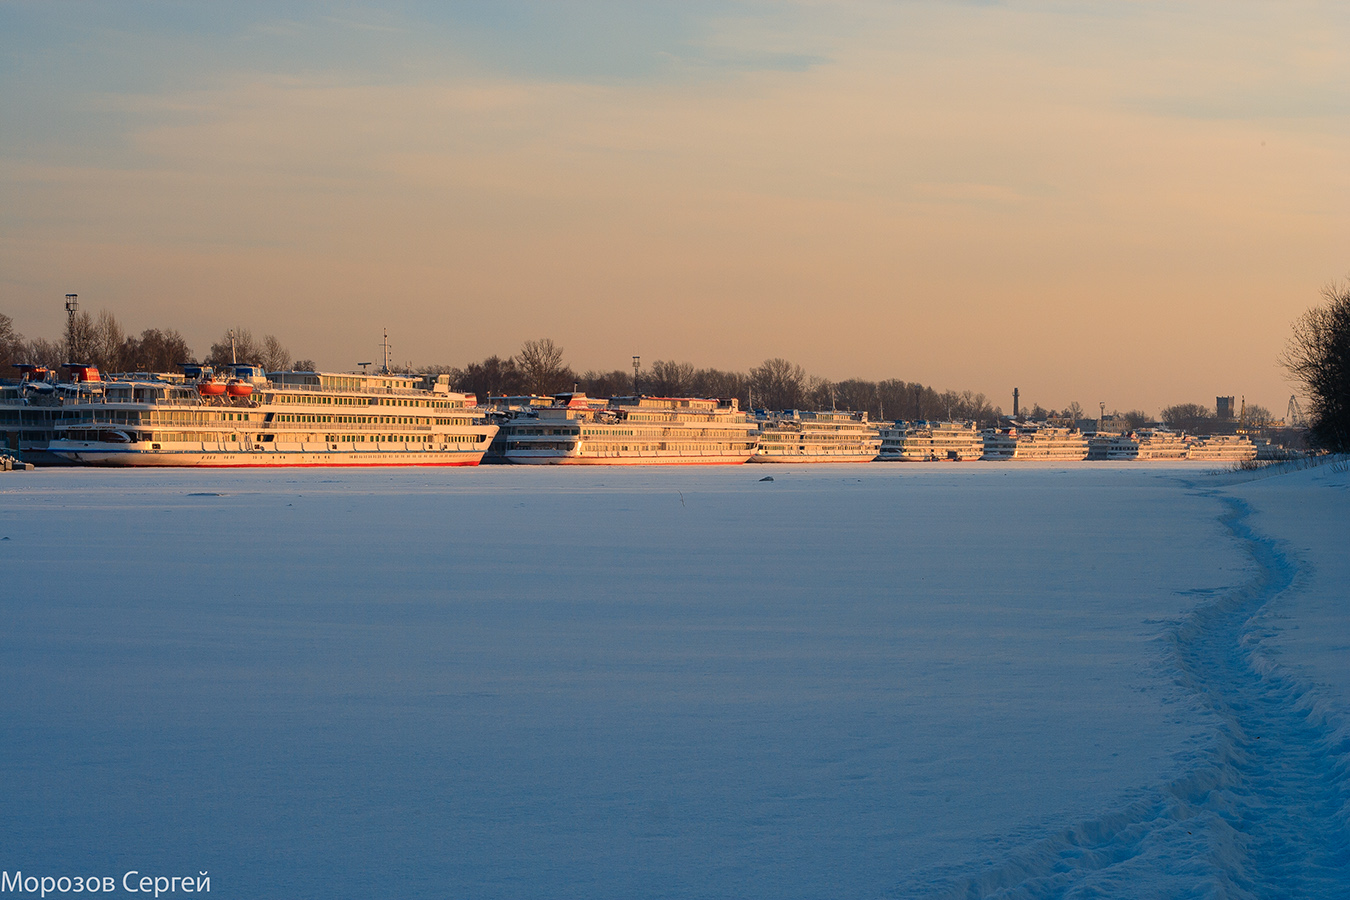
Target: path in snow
1264, 814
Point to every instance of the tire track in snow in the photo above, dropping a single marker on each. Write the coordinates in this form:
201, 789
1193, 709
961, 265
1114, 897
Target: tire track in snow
1266, 813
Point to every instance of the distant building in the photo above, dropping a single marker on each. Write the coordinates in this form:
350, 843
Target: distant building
1224, 408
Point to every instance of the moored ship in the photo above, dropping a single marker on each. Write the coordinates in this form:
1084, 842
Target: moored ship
32, 409
1161, 444
1148, 445
252, 418
930, 442
809, 437
630, 431
1223, 447
1047, 443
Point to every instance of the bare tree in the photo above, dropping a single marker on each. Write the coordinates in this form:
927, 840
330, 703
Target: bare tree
606, 384
11, 343
1190, 417
155, 351
237, 345
1135, 418
778, 384
107, 342
1258, 415
1318, 357
541, 365
272, 356
492, 376
43, 352
79, 342
717, 383
671, 379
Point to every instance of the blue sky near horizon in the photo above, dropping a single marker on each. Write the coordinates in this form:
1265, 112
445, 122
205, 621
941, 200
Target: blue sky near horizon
851, 185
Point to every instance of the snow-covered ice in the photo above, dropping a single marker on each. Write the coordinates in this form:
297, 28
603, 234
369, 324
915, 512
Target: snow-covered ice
853, 681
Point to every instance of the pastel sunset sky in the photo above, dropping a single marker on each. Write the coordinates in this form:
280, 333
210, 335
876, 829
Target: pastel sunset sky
1125, 202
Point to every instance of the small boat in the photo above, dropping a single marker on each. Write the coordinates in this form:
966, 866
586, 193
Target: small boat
237, 388
210, 388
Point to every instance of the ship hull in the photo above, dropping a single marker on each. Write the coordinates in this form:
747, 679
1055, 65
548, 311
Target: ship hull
262, 458
522, 459
812, 458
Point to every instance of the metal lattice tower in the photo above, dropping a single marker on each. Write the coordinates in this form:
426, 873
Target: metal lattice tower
1294, 416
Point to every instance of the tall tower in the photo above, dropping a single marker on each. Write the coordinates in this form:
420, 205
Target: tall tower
637, 363
1014, 403
73, 348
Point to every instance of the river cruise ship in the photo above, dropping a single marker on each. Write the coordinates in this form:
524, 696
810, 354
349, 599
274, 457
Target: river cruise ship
1149, 445
630, 431
1223, 448
809, 437
32, 409
280, 419
1049, 444
930, 442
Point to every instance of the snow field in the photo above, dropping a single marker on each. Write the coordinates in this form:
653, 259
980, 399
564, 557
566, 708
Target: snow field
852, 681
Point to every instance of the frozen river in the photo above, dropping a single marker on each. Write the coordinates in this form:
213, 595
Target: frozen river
850, 682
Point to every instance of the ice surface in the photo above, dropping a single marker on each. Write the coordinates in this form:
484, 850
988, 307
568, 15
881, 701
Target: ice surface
853, 681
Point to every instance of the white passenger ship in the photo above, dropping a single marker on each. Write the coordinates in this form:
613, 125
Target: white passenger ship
630, 431
32, 409
1149, 445
1223, 447
930, 442
810, 437
281, 419
1042, 443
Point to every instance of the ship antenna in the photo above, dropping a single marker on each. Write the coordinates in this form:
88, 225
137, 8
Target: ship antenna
234, 359
385, 370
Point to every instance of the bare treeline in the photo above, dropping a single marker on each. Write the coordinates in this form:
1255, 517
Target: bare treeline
774, 384
100, 340
1197, 418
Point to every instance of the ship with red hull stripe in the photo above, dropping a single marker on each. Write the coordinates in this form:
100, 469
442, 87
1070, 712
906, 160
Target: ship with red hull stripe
255, 419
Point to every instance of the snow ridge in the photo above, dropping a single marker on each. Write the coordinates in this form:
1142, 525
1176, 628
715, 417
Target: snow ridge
1265, 812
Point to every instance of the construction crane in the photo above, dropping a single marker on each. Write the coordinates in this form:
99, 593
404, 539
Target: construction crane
1294, 417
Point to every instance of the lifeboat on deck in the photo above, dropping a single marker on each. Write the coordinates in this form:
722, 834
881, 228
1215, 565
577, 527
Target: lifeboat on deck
239, 389
210, 388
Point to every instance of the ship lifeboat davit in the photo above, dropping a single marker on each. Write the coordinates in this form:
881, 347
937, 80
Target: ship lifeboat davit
237, 388
210, 388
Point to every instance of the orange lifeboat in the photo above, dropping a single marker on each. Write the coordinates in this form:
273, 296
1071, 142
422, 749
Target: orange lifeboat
210, 388
237, 388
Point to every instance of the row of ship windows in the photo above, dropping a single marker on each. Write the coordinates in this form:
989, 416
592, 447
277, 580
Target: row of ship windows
625, 448
372, 420
628, 432
215, 436
364, 401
